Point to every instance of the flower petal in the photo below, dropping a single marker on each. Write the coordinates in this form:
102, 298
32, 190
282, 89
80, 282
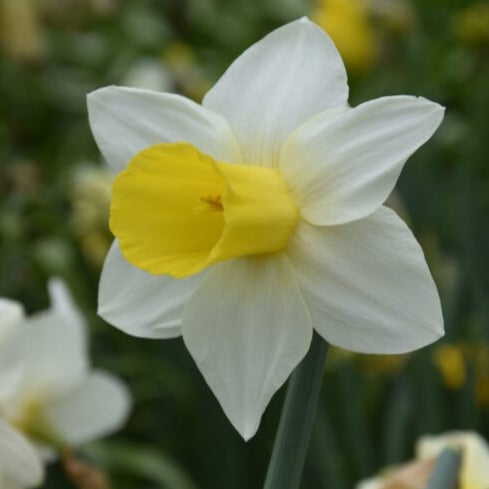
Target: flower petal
141, 304
54, 346
124, 121
18, 458
277, 84
11, 369
11, 315
247, 328
367, 284
98, 406
342, 165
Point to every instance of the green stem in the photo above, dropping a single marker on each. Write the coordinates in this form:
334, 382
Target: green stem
296, 421
446, 472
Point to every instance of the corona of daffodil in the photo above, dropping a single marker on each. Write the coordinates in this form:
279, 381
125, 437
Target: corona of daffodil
247, 222
50, 399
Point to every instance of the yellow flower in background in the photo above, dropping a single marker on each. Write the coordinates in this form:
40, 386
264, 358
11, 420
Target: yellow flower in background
453, 362
471, 24
247, 222
349, 25
449, 360
21, 35
474, 469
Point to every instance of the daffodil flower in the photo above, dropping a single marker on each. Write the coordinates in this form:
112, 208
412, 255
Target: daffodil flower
474, 471
50, 399
474, 468
20, 465
247, 222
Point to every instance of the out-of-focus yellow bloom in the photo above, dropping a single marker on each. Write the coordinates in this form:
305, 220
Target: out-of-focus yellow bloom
450, 361
21, 36
348, 24
474, 471
180, 58
471, 24
90, 212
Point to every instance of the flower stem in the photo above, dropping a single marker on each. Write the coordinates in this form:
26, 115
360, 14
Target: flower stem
296, 421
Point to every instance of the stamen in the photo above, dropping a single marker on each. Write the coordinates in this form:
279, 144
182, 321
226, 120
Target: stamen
215, 201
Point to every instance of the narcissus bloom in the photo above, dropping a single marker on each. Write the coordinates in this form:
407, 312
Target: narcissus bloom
20, 465
50, 399
474, 468
244, 223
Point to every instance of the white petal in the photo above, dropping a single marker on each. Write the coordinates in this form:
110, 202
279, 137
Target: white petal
367, 284
18, 459
63, 304
8, 483
342, 165
54, 345
124, 121
11, 315
277, 84
247, 327
11, 369
98, 406
141, 304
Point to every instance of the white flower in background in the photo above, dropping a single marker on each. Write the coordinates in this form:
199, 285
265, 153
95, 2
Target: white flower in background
244, 223
474, 468
474, 471
20, 465
150, 73
48, 393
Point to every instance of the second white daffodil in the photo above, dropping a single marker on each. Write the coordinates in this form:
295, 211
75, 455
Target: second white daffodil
247, 222
50, 398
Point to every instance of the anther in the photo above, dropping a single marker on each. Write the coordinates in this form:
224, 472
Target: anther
214, 201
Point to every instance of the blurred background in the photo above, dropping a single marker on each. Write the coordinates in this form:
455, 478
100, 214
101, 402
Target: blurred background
55, 193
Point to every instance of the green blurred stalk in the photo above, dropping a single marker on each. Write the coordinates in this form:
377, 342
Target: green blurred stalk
446, 472
296, 421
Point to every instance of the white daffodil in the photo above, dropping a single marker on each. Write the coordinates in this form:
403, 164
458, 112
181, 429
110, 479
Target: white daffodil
20, 465
474, 468
244, 223
48, 394
474, 471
